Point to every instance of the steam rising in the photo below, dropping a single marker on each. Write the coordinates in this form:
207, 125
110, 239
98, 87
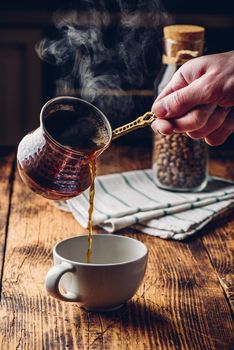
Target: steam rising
101, 54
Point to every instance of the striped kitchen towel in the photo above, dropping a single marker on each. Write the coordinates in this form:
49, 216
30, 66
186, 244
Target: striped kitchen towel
133, 199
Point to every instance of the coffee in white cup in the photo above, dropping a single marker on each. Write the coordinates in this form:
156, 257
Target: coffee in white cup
113, 275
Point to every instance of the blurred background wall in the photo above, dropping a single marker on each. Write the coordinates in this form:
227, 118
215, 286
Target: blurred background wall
26, 81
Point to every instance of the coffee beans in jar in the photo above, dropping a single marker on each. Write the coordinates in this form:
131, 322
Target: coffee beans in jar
180, 163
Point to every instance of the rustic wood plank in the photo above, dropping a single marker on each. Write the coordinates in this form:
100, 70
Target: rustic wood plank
221, 164
181, 304
218, 236
29, 318
218, 240
7, 156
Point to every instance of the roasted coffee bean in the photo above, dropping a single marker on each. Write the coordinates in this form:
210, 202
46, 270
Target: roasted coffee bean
179, 162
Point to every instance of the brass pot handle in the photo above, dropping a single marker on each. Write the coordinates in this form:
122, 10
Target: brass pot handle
140, 122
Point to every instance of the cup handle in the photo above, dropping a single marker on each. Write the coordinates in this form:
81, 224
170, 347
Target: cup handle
52, 282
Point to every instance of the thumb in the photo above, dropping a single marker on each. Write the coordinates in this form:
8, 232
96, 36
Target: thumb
179, 102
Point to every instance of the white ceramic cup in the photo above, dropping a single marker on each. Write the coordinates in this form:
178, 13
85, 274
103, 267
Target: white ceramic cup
112, 277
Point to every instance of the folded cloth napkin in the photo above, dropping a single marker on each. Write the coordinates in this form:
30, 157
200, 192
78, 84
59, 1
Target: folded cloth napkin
133, 199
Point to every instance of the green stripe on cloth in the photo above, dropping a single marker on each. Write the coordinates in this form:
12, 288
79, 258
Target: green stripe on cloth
136, 190
149, 177
206, 209
177, 217
151, 180
111, 194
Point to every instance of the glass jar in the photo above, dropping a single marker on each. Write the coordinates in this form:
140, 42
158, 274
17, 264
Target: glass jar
179, 162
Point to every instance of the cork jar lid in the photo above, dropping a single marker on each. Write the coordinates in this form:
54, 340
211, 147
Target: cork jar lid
183, 32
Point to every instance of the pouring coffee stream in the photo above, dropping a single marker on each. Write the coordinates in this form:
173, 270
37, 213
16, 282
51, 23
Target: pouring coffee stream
140, 122
58, 159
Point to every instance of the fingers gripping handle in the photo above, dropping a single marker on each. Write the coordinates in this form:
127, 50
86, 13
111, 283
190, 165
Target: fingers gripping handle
53, 278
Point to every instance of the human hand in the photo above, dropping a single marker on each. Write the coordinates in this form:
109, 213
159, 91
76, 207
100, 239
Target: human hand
198, 100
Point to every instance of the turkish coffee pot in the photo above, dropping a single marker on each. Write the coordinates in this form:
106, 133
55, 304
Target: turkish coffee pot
53, 160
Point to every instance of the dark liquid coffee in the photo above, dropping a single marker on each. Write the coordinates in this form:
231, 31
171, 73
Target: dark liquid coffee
92, 167
72, 131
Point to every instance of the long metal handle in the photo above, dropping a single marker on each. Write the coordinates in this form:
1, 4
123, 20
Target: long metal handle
140, 122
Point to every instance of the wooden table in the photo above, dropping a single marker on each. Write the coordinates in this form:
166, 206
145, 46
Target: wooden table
185, 301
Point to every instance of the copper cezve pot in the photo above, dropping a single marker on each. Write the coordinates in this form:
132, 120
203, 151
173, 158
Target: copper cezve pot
57, 170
